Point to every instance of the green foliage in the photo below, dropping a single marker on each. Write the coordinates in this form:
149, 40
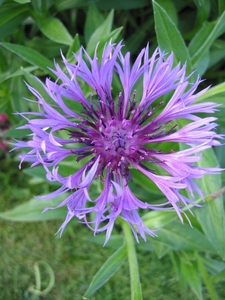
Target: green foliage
211, 217
113, 263
32, 34
169, 38
31, 211
31, 56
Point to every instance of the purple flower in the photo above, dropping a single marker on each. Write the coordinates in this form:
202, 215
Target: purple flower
111, 134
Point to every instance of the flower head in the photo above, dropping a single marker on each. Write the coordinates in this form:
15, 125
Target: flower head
114, 133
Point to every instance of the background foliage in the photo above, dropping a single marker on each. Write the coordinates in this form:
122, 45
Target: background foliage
32, 32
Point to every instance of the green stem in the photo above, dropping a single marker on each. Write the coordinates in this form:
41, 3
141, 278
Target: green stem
37, 276
136, 292
208, 284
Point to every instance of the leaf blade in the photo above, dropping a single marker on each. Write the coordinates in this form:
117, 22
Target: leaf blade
31, 211
31, 56
211, 216
204, 38
112, 264
54, 29
169, 38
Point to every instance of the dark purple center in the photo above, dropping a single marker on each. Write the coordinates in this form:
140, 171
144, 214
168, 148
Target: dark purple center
119, 141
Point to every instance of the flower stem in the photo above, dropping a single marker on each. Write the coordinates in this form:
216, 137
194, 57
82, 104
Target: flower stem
136, 292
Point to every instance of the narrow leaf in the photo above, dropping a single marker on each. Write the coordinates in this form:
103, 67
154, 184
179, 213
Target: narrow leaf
38, 171
157, 219
31, 211
190, 272
19, 92
12, 25
204, 38
211, 216
74, 48
112, 36
168, 36
213, 266
94, 19
22, 1
218, 89
11, 13
31, 56
107, 270
182, 237
19, 72
13, 133
218, 277
99, 34
205, 278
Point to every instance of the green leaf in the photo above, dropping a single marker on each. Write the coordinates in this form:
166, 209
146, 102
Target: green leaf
203, 12
37, 5
180, 236
37, 171
46, 47
18, 134
10, 14
157, 219
203, 65
19, 92
112, 36
205, 278
218, 277
107, 270
32, 81
22, 1
94, 20
146, 183
190, 272
216, 54
212, 265
19, 72
100, 33
31, 56
202, 41
54, 29
40, 172
160, 248
218, 89
12, 25
211, 216
31, 211
74, 48
170, 9
168, 36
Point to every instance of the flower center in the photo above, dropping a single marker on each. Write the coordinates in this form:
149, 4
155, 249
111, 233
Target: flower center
118, 140
117, 145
